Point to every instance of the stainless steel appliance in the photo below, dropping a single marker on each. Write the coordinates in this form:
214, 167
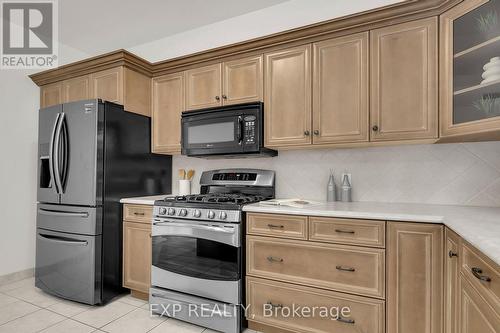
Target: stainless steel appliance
198, 248
91, 154
231, 131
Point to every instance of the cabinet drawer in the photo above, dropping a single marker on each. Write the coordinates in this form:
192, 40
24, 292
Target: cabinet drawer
270, 300
286, 226
483, 273
347, 231
337, 267
138, 213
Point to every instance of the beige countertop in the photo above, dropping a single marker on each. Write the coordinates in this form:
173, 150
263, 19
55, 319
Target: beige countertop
480, 226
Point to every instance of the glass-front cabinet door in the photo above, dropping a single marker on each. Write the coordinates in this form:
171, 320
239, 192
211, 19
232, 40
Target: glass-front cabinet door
470, 70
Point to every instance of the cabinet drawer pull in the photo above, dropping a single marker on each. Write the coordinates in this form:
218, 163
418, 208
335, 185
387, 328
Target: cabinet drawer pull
276, 306
345, 320
346, 269
452, 254
477, 273
275, 226
340, 231
274, 259
139, 214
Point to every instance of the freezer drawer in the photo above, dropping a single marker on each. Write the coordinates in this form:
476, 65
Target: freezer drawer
69, 266
72, 219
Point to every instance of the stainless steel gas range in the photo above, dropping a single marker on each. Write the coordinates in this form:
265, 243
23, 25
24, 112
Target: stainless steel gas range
198, 249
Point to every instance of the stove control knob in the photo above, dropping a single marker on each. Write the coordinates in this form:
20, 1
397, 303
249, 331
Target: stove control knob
196, 213
162, 211
211, 214
223, 215
183, 212
171, 211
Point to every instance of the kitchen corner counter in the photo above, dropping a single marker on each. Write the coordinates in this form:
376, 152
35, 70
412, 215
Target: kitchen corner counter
149, 200
480, 226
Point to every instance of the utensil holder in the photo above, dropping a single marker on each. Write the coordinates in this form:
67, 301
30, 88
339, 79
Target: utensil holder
184, 187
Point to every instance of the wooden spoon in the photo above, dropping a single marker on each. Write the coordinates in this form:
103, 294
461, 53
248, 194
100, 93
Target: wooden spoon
182, 174
190, 174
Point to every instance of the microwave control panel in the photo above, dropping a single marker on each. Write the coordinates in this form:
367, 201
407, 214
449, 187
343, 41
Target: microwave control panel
249, 128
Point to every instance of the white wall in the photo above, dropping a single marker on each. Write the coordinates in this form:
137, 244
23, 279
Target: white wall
281, 17
19, 104
459, 174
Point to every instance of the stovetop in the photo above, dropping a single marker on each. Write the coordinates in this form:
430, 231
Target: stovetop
235, 200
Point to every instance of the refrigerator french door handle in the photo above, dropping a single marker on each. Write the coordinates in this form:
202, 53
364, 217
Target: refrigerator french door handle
62, 240
56, 157
65, 152
59, 213
51, 154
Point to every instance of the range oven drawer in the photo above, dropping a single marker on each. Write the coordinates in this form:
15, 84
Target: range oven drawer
204, 312
69, 265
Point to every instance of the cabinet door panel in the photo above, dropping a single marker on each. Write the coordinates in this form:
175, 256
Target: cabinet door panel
287, 97
51, 94
451, 276
414, 277
476, 316
404, 81
243, 81
340, 89
137, 256
108, 85
168, 104
203, 87
76, 89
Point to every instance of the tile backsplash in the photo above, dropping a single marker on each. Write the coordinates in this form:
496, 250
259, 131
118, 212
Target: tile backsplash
462, 174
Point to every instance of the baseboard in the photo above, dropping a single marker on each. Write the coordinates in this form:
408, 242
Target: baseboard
16, 276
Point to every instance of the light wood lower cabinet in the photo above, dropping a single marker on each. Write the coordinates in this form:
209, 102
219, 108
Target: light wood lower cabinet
137, 248
404, 81
451, 280
476, 315
414, 277
168, 105
272, 303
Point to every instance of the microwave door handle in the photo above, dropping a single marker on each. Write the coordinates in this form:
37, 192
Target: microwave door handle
57, 144
240, 128
51, 153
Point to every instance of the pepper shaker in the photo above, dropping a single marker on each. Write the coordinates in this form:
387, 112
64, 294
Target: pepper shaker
346, 190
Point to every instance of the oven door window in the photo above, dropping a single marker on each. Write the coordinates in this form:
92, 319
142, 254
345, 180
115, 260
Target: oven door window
195, 257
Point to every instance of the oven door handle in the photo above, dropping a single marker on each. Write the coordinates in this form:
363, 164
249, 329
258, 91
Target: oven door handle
194, 226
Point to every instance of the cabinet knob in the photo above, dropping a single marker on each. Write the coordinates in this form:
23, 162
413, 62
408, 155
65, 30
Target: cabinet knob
452, 254
307, 133
224, 97
375, 128
316, 132
217, 98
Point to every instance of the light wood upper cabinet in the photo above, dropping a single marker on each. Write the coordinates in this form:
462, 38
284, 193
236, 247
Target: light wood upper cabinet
340, 89
51, 94
76, 89
287, 97
469, 104
414, 277
108, 85
204, 87
404, 81
168, 104
451, 280
476, 316
242, 81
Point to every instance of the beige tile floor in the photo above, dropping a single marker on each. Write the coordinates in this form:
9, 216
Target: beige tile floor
26, 309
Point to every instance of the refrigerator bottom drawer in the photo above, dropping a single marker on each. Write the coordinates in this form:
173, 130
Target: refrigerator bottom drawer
69, 265
200, 311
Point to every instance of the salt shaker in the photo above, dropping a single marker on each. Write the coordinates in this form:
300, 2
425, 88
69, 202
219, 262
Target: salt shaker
346, 190
330, 189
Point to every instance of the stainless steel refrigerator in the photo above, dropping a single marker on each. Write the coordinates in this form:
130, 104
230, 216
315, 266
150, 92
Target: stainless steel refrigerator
90, 154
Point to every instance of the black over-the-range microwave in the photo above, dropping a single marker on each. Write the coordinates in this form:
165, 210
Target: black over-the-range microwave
230, 131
